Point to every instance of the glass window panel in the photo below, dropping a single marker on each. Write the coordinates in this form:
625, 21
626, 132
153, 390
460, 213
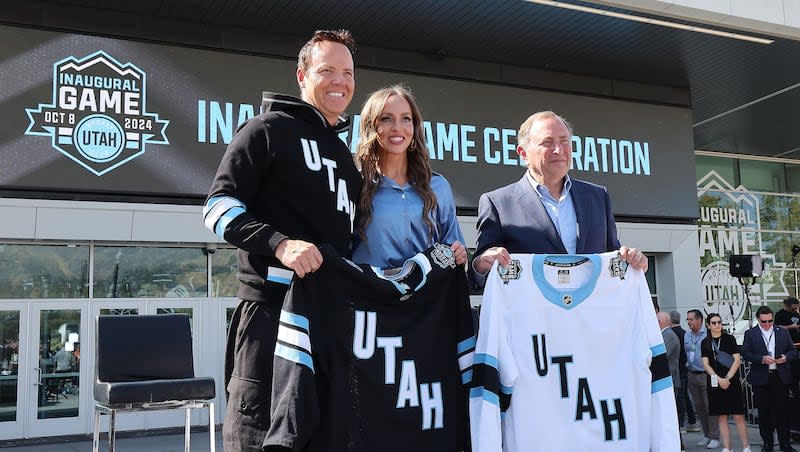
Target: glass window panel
59, 361
715, 209
127, 272
791, 279
119, 311
779, 245
650, 275
223, 273
793, 217
773, 212
792, 178
44, 271
776, 255
762, 176
9, 364
725, 167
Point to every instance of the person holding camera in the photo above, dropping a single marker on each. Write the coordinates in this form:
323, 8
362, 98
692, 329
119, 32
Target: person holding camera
721, 361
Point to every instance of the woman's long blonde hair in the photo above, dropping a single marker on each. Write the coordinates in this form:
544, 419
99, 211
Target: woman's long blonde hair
419, 166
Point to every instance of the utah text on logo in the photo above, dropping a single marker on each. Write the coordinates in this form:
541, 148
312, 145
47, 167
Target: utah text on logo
97, 116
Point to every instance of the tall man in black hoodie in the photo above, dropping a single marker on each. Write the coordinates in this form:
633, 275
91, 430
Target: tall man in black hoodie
285, 184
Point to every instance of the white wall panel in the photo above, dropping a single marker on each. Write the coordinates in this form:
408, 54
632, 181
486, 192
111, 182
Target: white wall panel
765, 10
161, 226
83, 224
791, 13
716, 6
17, 222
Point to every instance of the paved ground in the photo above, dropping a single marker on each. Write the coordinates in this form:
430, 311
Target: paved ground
690, 440
174, 443
125, 443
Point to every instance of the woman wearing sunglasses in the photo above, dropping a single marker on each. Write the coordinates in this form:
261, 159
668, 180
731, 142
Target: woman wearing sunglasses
721, 361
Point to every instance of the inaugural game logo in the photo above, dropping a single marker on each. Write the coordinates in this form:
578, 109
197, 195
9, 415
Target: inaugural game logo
98, 114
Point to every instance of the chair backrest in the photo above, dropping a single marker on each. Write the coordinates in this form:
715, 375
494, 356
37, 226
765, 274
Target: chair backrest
143, 347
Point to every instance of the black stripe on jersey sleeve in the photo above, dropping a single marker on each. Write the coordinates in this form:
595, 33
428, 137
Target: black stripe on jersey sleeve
659, 367
486, 376
505, 401
486, 383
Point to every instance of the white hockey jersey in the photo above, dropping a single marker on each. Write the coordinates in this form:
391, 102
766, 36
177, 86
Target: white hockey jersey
570, 357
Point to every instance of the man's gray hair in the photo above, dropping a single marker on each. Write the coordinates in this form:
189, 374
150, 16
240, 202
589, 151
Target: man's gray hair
675, 317
523, 135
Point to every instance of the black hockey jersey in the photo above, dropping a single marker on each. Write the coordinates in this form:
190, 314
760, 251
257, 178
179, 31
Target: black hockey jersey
370, 362
286, 174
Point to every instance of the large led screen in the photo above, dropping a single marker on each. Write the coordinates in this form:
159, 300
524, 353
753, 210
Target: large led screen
89, 115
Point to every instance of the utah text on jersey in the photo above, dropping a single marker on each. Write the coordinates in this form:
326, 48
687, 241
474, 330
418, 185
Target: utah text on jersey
570, 357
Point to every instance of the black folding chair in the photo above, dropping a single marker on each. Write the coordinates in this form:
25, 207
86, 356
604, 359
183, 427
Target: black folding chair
144, 363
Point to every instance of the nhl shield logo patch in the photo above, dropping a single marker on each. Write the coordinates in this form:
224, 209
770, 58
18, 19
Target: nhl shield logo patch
511, 272
617, 267
567, 300
443, 256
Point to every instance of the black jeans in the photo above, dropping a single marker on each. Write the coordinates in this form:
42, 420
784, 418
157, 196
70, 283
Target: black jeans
683, 403
248, 373
772, 410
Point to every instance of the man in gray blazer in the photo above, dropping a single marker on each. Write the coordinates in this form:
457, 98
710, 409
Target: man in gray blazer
546, 211
673, 345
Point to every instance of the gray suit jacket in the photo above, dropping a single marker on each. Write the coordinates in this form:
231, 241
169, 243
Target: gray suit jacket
673, 345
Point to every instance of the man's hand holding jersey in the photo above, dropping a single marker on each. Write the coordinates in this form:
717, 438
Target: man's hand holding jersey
300, 256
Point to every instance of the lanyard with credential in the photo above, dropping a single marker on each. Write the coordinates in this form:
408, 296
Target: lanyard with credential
768, 340
694, 343
715, 348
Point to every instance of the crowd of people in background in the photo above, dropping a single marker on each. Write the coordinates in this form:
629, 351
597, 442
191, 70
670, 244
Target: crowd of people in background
717, 392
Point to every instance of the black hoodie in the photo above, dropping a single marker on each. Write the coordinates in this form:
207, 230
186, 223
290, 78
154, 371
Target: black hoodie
285, 175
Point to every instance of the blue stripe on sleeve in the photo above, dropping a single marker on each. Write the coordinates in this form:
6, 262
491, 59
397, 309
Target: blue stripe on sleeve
483, 358
210, 204
294, 319
485, 394
225, 220
466, 377
659, 349
294, 355
465, 345
279, 279
660, 385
